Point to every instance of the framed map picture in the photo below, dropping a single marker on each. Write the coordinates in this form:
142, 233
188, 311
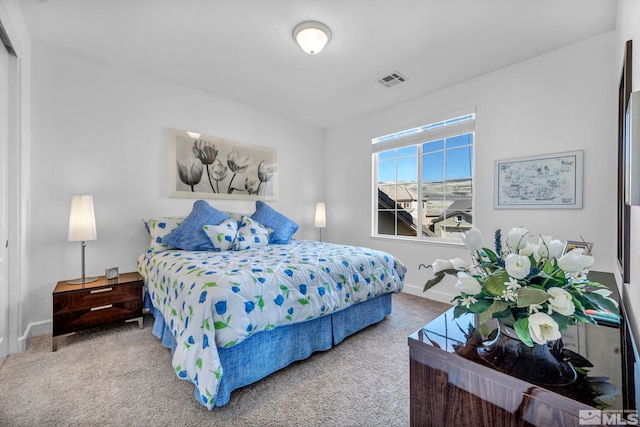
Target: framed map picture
552, 181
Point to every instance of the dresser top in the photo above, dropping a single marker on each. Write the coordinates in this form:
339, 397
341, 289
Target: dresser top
124, 278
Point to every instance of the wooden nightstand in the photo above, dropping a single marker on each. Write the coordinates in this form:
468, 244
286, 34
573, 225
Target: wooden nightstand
79, 307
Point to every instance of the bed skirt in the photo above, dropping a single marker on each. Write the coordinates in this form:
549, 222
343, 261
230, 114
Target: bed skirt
266, 352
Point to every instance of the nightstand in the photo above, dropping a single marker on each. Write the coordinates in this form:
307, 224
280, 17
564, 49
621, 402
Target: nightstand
80, 307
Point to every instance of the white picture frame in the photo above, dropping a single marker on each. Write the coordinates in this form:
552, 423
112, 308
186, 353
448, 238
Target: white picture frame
255, 176
550, 181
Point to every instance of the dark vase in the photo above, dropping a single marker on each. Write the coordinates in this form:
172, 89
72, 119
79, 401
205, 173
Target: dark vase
541, 364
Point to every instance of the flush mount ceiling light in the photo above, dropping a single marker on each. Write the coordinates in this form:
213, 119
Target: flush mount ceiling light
312, 36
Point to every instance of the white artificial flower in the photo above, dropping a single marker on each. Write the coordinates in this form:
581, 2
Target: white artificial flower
516, 238
555, 248
543, 246
473, 240
459, 264
512, 284
574, 261
528, 249
468, 284
560, 301
467, 301
534, 308
543, 328
441, 264
510, 295
517, 266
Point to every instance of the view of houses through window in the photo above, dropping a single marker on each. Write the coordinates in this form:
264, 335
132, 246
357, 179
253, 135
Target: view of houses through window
424, 179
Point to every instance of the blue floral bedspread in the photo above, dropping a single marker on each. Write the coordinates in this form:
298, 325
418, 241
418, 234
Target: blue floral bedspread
217, 299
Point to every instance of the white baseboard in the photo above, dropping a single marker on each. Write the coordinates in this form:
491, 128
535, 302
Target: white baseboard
33, 329
430, 294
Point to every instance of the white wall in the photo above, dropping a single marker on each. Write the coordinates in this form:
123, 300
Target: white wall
103, 131
561, 101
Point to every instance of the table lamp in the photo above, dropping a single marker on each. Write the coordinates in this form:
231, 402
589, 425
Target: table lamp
321, 218
82, 227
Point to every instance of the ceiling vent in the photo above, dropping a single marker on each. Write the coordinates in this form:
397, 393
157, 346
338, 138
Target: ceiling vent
392, 79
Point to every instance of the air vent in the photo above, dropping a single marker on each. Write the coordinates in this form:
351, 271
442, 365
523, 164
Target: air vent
392, 79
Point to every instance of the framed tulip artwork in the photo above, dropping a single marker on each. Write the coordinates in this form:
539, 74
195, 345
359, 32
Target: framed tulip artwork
203, 166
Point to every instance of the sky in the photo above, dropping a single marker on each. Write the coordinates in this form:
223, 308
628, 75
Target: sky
457, 151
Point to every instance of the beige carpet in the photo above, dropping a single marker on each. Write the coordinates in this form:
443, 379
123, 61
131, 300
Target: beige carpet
121, 376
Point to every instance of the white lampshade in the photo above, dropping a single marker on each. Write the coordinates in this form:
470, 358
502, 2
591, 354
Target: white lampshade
312, 36
82, 220
194, 135
321, 218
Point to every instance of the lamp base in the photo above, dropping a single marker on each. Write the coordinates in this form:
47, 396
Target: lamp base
82, 282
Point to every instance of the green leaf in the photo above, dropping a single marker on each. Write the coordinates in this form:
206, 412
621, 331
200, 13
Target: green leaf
303, 301
563, 321
490, 254
522, 329
480, 307
209, 285
437, 278
495, 283
529, 296
548, 267
496, 307
219, 325
459, 311
600, 302
199, 363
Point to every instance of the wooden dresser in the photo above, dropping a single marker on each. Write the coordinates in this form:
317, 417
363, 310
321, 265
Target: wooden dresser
447, 389
79, 307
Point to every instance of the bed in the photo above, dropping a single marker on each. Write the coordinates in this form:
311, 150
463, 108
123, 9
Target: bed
232, 317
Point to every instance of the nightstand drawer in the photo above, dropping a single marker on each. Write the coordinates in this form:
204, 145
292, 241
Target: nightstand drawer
91, 298
77, 320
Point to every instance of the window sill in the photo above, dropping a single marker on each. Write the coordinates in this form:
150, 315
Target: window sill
435, 241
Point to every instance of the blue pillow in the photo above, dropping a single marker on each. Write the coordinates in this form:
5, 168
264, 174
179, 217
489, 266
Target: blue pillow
283, 228
223, 235
189, 235
251, 234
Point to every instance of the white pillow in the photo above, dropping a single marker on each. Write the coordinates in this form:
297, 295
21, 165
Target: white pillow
223, 235
251, 234
158, 228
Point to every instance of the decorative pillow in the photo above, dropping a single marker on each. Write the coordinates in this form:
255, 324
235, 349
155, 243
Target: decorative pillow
158, 228
251, 234
235, 215
189, 235
283, 228
222, 235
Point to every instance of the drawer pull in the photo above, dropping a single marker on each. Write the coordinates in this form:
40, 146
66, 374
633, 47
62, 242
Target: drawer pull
102, 307
97, 291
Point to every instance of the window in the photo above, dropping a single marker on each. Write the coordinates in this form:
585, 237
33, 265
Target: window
423, 180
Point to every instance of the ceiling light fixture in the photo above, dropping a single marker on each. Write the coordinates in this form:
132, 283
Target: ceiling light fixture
312, 36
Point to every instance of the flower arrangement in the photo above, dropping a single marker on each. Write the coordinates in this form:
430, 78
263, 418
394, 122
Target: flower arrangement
531, 287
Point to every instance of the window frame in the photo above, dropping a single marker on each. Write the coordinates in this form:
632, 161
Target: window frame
449, 126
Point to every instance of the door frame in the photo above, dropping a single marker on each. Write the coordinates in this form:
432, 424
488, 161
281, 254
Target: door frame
19, 166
